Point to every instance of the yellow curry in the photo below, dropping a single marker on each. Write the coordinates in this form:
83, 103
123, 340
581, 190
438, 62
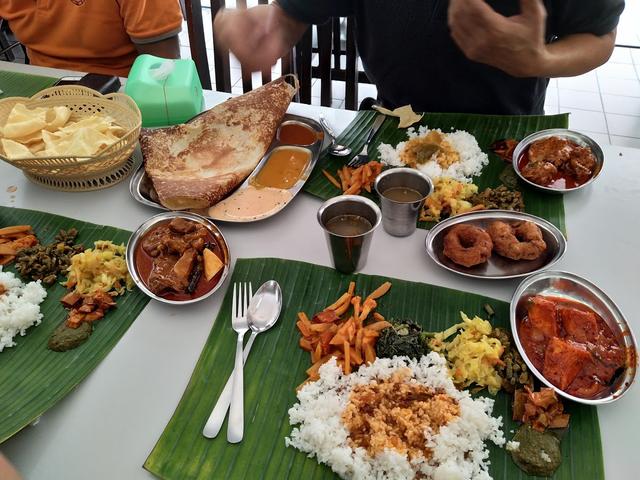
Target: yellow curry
283, 168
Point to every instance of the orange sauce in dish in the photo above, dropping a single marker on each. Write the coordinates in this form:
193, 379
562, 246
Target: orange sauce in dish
296, 134
283, 168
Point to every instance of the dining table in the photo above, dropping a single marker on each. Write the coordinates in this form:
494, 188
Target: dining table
107, 426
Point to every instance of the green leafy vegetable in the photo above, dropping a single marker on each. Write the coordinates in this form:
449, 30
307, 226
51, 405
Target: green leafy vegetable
403, 338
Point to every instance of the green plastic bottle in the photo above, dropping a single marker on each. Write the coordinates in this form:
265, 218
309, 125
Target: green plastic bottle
167, 92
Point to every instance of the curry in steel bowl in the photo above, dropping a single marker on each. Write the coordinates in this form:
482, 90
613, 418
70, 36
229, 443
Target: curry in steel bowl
178, 257
573, 337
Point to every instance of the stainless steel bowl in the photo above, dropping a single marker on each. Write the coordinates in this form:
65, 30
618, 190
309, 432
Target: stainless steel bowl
497, 267
161, 217
576, 137
572, 287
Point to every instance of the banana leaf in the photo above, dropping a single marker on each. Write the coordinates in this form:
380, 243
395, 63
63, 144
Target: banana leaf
486, 129
16, 84
277, 365
34, 378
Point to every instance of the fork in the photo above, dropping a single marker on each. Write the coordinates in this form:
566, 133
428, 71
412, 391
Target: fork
240, 304
363, 156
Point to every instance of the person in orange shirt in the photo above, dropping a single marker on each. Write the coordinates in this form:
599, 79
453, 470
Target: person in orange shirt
97, 36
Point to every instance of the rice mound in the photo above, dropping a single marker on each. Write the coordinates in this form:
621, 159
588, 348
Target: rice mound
458, 448
472, 159
19, 307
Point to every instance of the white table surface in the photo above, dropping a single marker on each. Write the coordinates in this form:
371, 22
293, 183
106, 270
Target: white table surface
106, 428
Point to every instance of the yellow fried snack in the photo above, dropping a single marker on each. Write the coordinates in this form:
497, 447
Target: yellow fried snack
406, 115
49, 132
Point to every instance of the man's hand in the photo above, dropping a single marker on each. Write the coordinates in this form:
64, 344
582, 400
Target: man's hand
515, 45
258, 36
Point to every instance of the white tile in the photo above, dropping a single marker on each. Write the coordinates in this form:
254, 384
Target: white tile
579, 99
587, 82
623, 125
617, 70
337, 89
635, 55
551, 98
315, 101
619, 86
620, 104
621, 55
185, 52
551, 109
236, 76
601, 138
237, 89
587, 120
337, 103
625, 141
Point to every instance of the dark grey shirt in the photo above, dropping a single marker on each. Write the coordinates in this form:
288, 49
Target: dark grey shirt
408, 52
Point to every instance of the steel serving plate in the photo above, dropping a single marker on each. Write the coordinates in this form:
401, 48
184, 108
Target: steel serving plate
571, 135
497, 267
137, 236
141, 188
572, 287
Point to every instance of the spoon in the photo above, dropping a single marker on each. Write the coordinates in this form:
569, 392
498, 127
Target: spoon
334, 149
262, 314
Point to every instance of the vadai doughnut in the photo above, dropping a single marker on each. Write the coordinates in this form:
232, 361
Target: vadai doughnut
467, 245
517, 241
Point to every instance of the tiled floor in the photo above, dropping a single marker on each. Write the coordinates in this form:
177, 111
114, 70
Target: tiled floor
604, 104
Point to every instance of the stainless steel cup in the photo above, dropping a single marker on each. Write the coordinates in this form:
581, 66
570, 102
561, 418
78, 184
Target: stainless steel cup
349, 253
400, 218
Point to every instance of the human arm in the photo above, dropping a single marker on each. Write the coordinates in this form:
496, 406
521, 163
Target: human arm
259, 36
7, 471
167, 48
517, 44
153, 26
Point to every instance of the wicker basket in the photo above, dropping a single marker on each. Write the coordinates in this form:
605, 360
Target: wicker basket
81, 173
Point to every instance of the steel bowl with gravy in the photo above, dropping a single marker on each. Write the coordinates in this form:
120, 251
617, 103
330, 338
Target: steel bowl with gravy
573, 337
558, 160
178, 257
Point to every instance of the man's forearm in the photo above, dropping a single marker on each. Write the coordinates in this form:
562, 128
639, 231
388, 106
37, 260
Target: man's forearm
167, 48
576, 54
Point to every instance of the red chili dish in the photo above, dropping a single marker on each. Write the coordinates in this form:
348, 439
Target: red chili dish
571, 346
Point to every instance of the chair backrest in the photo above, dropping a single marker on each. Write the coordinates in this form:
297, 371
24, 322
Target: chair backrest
299, 60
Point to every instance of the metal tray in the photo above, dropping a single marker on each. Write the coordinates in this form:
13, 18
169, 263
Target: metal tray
497, 267
141, 188
572, 287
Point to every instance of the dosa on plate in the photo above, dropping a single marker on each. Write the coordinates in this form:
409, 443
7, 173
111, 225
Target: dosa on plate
195, 165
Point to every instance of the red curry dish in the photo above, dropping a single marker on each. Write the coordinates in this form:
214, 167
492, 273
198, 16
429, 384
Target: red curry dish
557, 163
571, 345
170, 259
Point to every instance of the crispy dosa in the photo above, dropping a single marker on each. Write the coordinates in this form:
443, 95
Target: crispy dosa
195, 165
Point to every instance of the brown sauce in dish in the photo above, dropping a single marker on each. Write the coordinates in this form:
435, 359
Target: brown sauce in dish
146, 259
295, 134
572, 346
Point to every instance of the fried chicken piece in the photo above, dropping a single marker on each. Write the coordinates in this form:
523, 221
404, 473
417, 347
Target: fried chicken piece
553, 150
539, 172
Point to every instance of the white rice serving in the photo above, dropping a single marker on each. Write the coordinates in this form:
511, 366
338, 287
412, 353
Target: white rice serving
472, 159
19, 307
458, 450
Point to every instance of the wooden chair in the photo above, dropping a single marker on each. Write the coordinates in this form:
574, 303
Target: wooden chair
298, 60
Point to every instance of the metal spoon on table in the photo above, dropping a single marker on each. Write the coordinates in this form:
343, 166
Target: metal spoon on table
334, 149
262, 314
